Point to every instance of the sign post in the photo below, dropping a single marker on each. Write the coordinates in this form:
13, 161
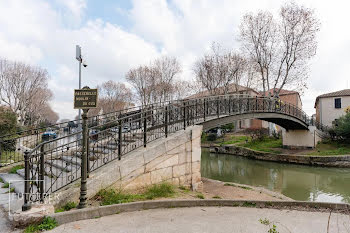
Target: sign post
85, 99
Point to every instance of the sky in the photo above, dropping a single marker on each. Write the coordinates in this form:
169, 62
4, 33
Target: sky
116, 35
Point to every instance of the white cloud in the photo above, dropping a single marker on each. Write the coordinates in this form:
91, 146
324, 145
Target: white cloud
75, 8
34, 31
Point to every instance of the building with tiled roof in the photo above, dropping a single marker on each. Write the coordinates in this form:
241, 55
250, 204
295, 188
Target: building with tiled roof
330, 106
287, 96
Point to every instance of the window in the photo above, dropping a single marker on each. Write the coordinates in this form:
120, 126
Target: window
337, 102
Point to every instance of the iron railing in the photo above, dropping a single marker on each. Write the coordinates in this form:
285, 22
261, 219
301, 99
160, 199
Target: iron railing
53, 164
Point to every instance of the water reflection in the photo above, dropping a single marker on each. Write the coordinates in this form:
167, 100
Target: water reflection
299, 182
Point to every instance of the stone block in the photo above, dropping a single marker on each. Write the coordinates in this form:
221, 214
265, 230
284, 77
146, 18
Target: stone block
139, 182
131, 163
151, 165
188, 146
196, 177
196, 154
196, 167
175, 181
133, 175
197, 131
177, 150
179, 170
184, 157
34, 215
177, 140
160, 175
172, 161
184, 181
152, 152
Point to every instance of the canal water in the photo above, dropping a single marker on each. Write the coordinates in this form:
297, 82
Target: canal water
303, 183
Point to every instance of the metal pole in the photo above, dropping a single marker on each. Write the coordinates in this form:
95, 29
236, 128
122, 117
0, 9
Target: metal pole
83, 187
79, 113
119, 139
145, 130
166, 121
184, 114
42, 172
26, 205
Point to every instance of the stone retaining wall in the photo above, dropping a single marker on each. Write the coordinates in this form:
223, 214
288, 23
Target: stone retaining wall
329, 161
175, 159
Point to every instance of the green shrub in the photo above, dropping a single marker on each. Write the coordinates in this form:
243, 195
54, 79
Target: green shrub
14, 169
212, 137
67, 207
200, 196
228, 127
47, 223
342, 127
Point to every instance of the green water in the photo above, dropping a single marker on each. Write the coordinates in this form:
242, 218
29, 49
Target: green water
304, 183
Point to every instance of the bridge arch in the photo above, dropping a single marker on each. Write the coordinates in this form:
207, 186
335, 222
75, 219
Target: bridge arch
283, 120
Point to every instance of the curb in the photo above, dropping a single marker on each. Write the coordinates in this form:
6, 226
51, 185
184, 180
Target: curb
97, 212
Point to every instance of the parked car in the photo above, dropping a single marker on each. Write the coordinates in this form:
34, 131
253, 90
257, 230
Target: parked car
48, 135
94, 134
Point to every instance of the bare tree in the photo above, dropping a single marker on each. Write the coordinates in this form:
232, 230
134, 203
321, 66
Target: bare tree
258, 37
38, 107
167, 70
216, 71
142, 79
113, 96
281, 49
19, 84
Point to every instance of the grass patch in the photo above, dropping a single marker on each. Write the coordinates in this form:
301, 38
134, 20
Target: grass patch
110, 196
238, 186
200, 196
331, 148
264, 221
184, 189
235, 139
249, 204
48, 223
66, 207
6, 185
12, 190
217, 197
159, 190
266, 144
14, 169
11, 157
1, 180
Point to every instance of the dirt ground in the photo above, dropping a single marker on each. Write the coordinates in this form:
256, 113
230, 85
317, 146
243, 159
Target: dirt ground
228, 190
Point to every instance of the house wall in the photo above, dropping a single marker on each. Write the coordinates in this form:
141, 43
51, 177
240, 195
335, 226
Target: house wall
328, 112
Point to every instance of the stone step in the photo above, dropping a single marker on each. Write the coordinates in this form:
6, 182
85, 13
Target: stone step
108, 146
16, 181
72, 160
14, 205
61, 164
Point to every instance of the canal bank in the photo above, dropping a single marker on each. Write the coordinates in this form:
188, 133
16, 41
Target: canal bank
299, 182
341, 161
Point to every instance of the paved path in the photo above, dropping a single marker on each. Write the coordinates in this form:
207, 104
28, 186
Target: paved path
4, 197
213, 219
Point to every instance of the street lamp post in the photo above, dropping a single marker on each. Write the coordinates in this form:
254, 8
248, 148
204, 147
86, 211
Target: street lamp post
79, 57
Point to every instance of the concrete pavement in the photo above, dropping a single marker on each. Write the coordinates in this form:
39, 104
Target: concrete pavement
213, 219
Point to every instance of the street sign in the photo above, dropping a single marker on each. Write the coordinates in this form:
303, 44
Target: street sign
85, 98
